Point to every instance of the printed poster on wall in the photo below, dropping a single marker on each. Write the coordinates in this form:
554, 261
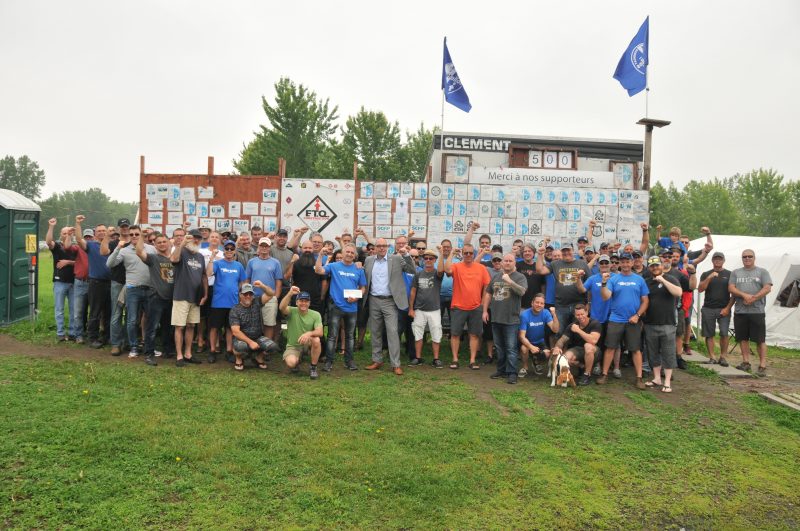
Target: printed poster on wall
325, 209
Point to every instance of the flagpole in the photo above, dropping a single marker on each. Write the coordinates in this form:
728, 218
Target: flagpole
441, 134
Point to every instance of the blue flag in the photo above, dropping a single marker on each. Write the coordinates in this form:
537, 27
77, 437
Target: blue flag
454, 92
631, 71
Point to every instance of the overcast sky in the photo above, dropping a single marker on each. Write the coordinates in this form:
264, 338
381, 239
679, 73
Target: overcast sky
88, 86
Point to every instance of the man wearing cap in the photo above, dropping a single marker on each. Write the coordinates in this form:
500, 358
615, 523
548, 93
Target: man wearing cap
267, 270
228, 275
117, 328
99, 295
137, 283
205, 233
281, 252
749, 286
386, 292
189, 292
504, 296
81, 294
345, 279
425, 305
628, 294
717, 305
599, 309
159, 304
660, 322
303, 331
564, 272
246, 327
583, 243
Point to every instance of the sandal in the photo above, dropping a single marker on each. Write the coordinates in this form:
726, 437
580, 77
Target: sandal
238, 366
651, 383
474, 366
262, 366
454, 365
666, 389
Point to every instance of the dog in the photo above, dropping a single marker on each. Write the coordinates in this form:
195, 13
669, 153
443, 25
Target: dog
559, 371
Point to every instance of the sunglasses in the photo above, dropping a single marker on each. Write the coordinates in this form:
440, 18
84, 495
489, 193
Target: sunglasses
747, 256
467, 253
230, 248
428, 258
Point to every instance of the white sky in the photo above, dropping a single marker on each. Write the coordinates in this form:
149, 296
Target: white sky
88, 86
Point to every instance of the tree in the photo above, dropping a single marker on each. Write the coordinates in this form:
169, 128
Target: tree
300, 129
371, 140
764, 202
709, 204
416, 154
93, 203
22, 175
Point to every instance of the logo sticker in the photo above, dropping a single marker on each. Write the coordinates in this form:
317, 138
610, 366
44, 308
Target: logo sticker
317, 214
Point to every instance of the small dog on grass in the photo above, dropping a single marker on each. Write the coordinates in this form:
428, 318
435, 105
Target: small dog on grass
559, 371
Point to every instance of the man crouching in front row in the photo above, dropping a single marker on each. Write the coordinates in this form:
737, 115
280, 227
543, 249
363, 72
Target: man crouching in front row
303, 331
245, 321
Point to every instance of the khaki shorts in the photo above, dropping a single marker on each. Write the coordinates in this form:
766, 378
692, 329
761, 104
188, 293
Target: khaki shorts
269, 312
185, 312
297, 352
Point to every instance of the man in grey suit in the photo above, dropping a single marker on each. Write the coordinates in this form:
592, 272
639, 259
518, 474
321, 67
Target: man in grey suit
386, 290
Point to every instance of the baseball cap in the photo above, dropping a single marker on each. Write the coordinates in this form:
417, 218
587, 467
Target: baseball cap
228, 242
205, 226
265, 240
303, 295
589, 250
247, 288
497, 256
282, 232
718, 255
636, 253
653, 260
625, 256
567, 246
604, 244
195, 233
614, 255
88, 232
665, 251
430, 252
583, 239
549, 248
123, 222
603, 258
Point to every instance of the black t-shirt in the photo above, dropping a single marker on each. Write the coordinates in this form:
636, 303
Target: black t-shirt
716, 294
307, 280
188, 274
67, 273
118, 271
661, 310
575, 340
535, 283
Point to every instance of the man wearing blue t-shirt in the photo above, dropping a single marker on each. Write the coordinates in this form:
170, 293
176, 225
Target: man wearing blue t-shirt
533, 322
99, 285
344, 275
228, 275
627, 292
268, 270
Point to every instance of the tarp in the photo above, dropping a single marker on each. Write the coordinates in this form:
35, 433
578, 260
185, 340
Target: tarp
779, 256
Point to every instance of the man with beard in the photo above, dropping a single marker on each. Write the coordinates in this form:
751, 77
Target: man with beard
301, 271
659, 323
190, 291
244, 248
159, 305
281, 252
503, 295
579, 343
247, 328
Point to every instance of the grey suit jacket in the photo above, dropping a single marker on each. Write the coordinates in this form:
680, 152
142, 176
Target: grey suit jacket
397, 286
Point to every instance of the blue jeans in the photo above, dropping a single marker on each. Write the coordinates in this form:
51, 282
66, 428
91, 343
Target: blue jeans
63, 291
334, 316
565, 315
157, 310
505, 341
80, 305
117, 331
135, 300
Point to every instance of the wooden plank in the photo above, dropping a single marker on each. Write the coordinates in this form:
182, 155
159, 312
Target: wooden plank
779, 400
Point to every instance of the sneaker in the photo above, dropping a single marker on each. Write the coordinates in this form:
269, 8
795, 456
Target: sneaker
640, 384
523, 372
438, 364
351, 365
585, 380
538, 370
133, 353
212, 357
328, 366
192, 360
597, 371
96, 344
180, 363
762, 372
602, 380
294, 370
744, 367
151, 360
313, 373
681, 363
62, 339
496, 374
723, 362
415, 362
158, 353
80, 340
617, 373
512, 379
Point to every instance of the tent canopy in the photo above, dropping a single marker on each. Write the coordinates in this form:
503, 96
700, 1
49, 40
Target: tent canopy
779, 256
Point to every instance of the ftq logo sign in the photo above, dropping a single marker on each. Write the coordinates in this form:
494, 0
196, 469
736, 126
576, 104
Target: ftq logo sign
317, 214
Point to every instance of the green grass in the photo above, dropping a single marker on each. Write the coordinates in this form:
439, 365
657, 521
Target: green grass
116, 444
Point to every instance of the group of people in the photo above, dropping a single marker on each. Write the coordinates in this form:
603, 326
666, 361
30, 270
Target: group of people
199, 291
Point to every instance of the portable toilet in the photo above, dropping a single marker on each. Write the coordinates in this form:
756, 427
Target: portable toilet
19, 254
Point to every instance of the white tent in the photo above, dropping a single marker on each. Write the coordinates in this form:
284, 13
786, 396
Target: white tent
779, 256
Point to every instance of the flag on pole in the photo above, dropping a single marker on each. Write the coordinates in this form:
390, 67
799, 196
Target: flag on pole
631, 70
454, 92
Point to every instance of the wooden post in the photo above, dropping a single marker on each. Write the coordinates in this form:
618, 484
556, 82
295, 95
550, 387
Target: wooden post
649, 124
210, 166
355, 171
